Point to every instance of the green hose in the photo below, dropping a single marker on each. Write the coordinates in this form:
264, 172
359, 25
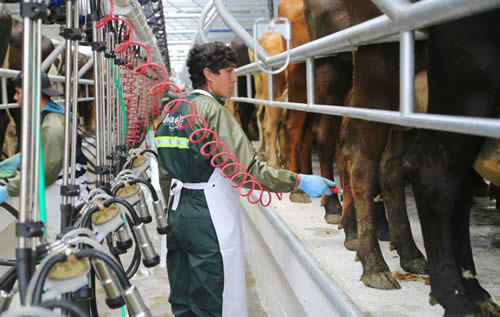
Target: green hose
41, 189
42, 210
122, 101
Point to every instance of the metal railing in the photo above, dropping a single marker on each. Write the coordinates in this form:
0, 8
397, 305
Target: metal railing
5, 74
402, 17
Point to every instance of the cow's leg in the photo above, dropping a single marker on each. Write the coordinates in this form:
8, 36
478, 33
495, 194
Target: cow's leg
4, 121
245, 111
294, 126
435, 186
325, 142
348, 219
261, 149
375, 86
306, 145
381, 224
333, 81
271, 125
362, 169
463, 251
392, 184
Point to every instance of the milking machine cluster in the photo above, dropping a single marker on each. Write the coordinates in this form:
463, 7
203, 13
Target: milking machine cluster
98, 227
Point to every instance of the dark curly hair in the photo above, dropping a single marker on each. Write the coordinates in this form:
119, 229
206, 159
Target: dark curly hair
214, 55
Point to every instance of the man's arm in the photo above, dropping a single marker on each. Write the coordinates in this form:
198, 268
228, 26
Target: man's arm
53, 147
230, 132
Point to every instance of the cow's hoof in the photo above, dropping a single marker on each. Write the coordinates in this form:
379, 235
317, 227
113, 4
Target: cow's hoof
489, 308
299, 197
457, 305
351, 244
333, 219
380, 280
415, 265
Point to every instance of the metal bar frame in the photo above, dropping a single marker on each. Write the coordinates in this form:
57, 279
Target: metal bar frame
53, 55
403, 19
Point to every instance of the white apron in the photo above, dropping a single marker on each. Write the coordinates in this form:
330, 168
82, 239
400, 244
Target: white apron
224, 207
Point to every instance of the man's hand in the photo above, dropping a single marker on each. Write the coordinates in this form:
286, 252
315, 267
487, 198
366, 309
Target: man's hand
314, 185
9, 166
3, 194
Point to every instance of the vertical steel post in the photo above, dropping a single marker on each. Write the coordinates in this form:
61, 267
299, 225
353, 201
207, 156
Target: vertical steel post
270, 86
97, 99
249, 85
102, 92
310, 80
67, 104
5, 101
37, 26
109, 104
406, 73
75, 100
26, 126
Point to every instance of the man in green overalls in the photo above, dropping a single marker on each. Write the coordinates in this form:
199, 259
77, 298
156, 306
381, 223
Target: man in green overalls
205, 259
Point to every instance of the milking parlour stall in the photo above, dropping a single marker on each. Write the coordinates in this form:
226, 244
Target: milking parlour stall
250, 158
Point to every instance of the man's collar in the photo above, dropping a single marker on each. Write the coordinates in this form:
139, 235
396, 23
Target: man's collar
217, 98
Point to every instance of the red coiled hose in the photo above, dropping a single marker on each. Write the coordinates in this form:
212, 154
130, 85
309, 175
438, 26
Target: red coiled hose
238, 174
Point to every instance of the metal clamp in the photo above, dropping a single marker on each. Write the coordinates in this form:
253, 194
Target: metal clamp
98, 46
72, 34
119, 62
70, 191
110, 54
34, 10
29, 229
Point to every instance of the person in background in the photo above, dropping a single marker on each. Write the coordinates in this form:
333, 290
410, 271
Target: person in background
52, 143
205, 259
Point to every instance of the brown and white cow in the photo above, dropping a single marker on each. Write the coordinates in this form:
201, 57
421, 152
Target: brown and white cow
272, 117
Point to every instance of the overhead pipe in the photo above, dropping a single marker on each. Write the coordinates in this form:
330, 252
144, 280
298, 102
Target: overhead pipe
208, 8
231, 22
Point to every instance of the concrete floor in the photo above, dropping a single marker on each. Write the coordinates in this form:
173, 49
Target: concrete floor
154, 288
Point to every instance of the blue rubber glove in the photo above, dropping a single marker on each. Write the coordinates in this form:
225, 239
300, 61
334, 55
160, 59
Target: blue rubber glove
3, 194
9, 166
315, 186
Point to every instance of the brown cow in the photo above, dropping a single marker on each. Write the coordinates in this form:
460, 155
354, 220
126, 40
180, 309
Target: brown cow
332, 83
371, 157
273, 43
